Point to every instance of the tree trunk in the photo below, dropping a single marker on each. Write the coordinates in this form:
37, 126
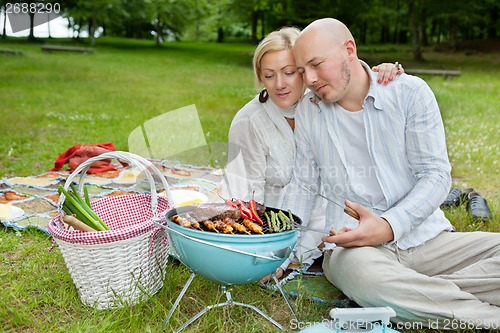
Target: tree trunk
433, 33
158, 31
255, 18
71, 26
403, 36
4, 33
491, 29
93, 28
48, 24
31, 36
384, 34
262, 27
414, 10
79, 30
439, 32
453, 32
197, 31
422, 26
395, 38
364, 29
220, 35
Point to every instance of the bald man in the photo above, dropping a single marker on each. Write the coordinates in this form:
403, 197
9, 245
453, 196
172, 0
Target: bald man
382, 147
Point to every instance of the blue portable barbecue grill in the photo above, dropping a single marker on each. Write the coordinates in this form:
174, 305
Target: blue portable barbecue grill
228, 259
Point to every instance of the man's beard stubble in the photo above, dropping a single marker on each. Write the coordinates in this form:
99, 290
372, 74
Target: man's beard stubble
345, 79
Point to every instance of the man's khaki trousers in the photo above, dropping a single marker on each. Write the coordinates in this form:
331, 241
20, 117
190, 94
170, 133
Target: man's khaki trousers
450, 282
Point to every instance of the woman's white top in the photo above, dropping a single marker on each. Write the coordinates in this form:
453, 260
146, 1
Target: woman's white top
261, 156
261, 153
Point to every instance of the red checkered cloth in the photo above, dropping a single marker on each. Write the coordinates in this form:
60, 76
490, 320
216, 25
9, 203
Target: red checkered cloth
127, 216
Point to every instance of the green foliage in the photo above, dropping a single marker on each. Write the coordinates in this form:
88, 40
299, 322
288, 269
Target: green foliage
170, 17
375, 21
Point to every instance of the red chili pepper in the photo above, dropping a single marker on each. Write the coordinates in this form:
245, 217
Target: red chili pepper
231, 203
252, 205
228, 201
245, 212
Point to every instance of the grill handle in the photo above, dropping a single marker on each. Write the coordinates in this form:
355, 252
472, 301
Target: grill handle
282, 254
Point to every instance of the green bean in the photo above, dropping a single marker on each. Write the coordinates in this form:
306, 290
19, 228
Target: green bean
284, 218
275, 221
284, 221
268, 222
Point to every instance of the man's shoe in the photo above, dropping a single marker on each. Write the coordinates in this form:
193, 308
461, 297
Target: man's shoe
478, 208
464, 197
453, 198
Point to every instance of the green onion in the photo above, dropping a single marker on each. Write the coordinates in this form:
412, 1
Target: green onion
76, 205
86, 193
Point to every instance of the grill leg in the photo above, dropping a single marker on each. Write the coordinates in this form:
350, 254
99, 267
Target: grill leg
177, 301
229, 301
285, 297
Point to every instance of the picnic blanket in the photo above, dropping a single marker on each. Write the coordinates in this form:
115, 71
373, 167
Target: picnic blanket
308, 281
37, 197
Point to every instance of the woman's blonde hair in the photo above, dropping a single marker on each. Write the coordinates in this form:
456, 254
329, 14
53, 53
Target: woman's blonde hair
279, 40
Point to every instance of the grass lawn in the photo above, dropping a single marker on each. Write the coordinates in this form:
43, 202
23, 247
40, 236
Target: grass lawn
49, 102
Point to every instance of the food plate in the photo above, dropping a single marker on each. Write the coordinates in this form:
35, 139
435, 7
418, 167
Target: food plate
188, 197
9, 212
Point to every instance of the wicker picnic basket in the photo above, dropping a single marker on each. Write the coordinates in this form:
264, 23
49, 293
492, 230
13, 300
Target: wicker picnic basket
126, 264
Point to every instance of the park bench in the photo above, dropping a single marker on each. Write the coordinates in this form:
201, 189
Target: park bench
11, 52
448, 74
57, 48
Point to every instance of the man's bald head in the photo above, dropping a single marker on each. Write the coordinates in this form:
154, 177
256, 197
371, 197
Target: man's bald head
326, 56
322, 37
329, 30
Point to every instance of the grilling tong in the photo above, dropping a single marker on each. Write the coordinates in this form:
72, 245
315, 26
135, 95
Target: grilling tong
349, 211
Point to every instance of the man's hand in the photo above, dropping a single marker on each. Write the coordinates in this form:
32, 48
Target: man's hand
372, 230
279, 273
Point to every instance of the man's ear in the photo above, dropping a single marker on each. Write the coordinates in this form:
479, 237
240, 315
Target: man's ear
350, 46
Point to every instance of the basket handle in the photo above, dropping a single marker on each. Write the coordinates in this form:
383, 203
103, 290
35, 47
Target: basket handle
140, 162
